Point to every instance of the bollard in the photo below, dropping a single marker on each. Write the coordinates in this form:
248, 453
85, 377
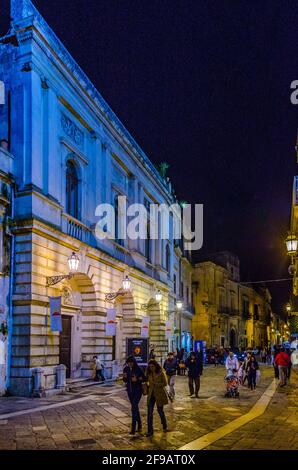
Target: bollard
115, 369
37, 387
61, 376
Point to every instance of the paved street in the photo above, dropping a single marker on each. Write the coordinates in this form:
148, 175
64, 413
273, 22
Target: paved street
99, 418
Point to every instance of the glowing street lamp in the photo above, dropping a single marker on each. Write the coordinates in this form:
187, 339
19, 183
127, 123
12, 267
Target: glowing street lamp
288, 307
126, 283
73, 262
179, 304
291, 244
158, 296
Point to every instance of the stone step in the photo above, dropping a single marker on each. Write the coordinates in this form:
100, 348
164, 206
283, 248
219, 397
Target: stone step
76, 384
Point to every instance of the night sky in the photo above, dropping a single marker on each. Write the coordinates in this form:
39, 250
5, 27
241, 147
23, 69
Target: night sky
205, 86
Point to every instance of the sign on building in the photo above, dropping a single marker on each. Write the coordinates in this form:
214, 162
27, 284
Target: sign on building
169, 329
139, 349
145, 327
111, 322
55, 313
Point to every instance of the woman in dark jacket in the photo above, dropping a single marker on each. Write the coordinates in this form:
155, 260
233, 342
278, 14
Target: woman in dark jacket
134, 377
251, 370
157, 393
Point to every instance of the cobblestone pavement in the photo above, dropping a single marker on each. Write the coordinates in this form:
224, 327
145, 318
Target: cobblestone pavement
276, 429
99, 418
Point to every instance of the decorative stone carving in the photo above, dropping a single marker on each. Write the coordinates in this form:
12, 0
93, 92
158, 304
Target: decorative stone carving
71, 130
67, 297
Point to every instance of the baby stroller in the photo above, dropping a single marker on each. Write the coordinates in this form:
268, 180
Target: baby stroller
232, 383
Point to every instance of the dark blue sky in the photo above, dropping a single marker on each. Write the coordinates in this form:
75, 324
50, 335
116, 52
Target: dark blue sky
205, 86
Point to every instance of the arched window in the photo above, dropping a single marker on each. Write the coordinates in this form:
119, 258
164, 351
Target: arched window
72, 190
168, 259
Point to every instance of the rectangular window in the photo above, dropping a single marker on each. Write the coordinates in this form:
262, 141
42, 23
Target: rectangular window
147, 239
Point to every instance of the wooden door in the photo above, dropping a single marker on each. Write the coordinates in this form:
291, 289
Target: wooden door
65, 344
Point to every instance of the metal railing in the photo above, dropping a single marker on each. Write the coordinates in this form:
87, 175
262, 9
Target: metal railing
74, 228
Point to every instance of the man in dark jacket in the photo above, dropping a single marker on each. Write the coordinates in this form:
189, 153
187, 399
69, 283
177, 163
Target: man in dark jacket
170, 367
195, 369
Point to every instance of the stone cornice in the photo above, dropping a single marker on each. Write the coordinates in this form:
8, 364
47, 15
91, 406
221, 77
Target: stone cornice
33, 224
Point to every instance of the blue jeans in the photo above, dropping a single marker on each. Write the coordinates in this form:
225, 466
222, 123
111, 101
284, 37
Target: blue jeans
135, 412
150, 415
99, 375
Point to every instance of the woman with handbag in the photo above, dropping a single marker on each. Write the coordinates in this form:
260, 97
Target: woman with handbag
157, 382
134, 378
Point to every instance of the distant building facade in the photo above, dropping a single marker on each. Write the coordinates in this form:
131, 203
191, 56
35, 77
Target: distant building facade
227, 312
67, 152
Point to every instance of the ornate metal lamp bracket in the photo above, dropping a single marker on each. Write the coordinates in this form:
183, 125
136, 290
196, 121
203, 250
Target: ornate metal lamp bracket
112, 296
52, 280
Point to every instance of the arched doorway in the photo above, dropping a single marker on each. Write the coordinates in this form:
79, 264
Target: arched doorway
80, 329
232, 338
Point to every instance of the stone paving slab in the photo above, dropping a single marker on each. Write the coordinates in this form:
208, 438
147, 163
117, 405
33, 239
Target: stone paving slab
276, 429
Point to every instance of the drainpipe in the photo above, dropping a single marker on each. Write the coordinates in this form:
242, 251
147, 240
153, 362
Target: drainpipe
11, 278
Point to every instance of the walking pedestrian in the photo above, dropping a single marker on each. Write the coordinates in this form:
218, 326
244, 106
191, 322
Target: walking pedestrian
194, 365
245, 362
170, 367
288, 352
134, 377
251, 370
216, 357
98, 369
182, 365
282, 361
263, 355
157, 393
152, 353
231, 363
276, 351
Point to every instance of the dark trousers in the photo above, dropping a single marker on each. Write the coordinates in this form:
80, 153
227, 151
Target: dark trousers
252, 375
99, 375
289, 371
276, 372
150, 415
191, 382
135, 412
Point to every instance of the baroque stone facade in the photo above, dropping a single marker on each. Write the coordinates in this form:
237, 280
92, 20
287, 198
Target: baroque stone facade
229, 313
68, 153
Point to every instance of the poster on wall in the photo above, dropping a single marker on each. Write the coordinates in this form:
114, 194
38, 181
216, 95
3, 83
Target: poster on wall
139, 349
169, 329
111, 322
145, 327
55, 313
